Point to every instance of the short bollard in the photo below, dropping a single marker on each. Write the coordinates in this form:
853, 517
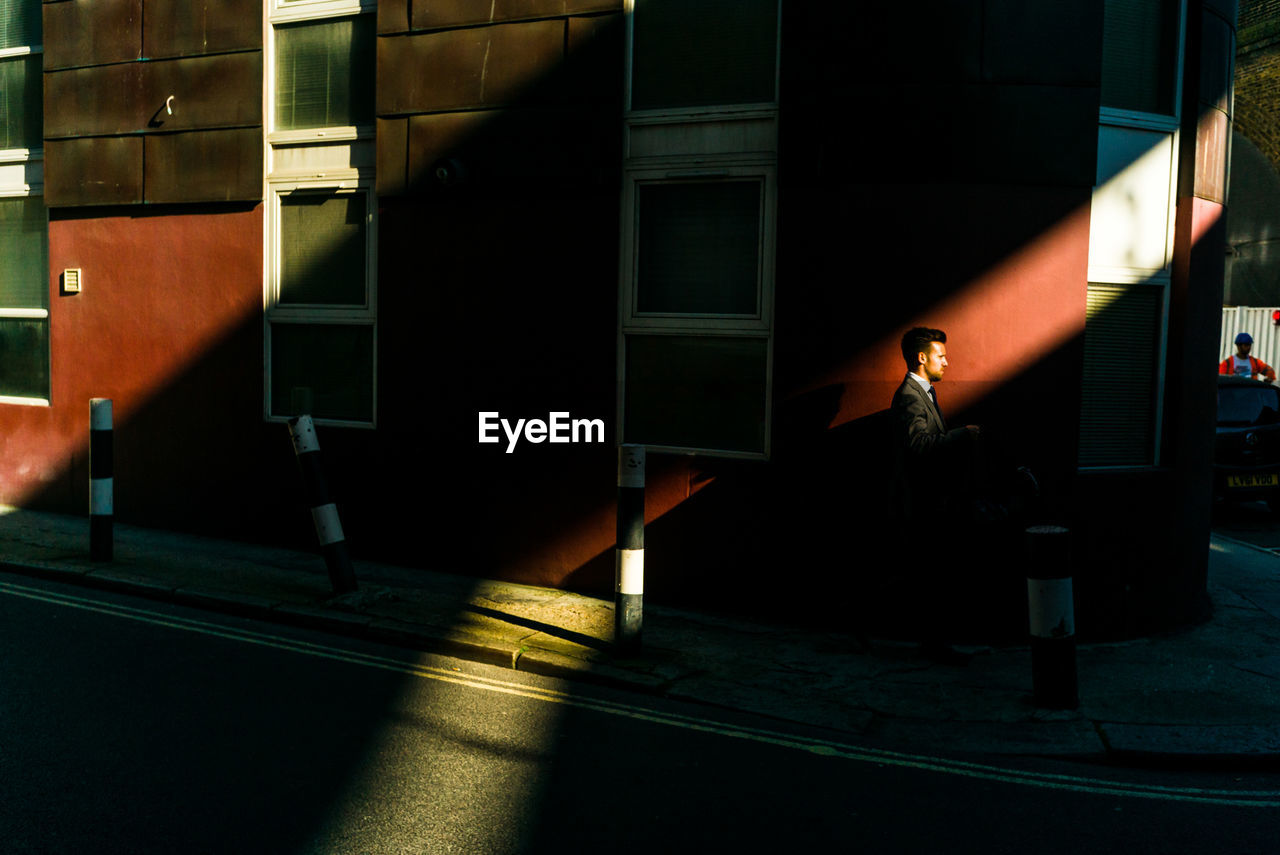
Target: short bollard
628, 614
101, 480
324, 513
1052, 612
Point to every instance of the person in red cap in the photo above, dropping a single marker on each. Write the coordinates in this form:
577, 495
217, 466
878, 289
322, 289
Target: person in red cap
1242, 364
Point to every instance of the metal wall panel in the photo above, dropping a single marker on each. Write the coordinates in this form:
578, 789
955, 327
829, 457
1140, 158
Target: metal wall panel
494, 94
436, 14
93, 171
85, 101
1213, 134
209, 92
594, 66
204, 166
393, 17
477, 67
199, 107
195, 27
512, 145
393, 156
91, 32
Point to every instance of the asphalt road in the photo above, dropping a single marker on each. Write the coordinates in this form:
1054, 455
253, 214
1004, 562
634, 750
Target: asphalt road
133, 727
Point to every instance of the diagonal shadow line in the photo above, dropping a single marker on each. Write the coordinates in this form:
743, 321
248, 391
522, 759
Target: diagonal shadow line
549, 629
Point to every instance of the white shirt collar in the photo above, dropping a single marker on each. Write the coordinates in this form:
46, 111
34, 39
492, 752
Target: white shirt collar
924, 383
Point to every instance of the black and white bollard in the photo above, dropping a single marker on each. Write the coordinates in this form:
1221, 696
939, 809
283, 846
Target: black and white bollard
628, 600
101, 480
324, 513
1052, 612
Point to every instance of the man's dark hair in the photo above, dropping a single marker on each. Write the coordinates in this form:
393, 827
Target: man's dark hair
917, 340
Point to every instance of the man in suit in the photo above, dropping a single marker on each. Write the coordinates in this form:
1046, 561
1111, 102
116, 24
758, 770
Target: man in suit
935, 475
933, 466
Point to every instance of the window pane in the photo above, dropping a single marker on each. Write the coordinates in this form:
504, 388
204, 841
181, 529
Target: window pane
1129, 221
24, 358
19, 23
1139, 55
322, 370
322, 249
699, 248
21, 107
324, 74
696, 392
24, 253
1121, 351
710, 52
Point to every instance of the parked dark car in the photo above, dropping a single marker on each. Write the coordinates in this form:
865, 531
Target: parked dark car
1246, 454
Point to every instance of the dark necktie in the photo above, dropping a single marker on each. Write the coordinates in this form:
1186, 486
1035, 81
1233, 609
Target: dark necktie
933, 394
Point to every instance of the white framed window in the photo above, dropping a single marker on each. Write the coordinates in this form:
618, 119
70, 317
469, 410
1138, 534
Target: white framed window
699, 248
323, 78
1131, 234
321, 305
24, 220
296, 10
691, 56
320, 226
698, 226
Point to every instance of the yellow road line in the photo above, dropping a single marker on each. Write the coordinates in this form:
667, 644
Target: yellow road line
821, 747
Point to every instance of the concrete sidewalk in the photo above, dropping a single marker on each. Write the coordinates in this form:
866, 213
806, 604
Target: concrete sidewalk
1210, 694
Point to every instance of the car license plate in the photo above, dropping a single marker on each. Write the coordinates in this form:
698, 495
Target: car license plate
1270, 480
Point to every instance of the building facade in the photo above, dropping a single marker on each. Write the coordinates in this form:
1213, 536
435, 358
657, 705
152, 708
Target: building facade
701, 225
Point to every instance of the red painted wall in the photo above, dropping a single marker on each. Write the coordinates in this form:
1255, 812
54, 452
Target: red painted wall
168, 325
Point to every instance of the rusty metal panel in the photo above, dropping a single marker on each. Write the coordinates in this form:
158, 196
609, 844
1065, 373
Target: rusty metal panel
434, 14
476, 67
441, 135
102, 100
393, 156
593, 70
91, 32
93, 171
562, 145
579, 7
204, 166
195, 27
393, 17
208, 92
1213, 133
438, 14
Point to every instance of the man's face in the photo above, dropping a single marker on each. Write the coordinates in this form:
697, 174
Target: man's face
935, 361
1243, 348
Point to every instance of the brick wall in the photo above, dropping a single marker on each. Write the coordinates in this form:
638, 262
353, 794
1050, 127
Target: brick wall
1257, 13
1257, 76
